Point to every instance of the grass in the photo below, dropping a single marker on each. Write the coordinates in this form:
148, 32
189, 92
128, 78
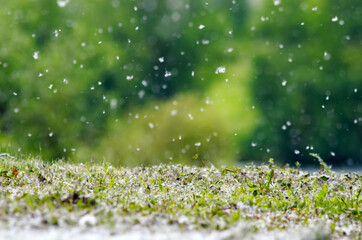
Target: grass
266, 197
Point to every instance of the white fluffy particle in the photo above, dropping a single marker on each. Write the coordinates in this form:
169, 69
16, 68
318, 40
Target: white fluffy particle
167, 74
62, 3
277, 2
220, 69
88, 220
173, 112
36, 55
141, 94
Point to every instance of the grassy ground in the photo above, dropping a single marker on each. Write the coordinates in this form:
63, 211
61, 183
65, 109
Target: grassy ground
262, 199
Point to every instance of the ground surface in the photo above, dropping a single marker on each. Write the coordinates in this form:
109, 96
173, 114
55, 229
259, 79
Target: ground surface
64, 201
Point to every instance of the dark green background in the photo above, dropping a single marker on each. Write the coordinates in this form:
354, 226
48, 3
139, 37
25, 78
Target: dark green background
137, 82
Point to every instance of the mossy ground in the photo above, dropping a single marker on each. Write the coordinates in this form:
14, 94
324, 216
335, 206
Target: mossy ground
264, 198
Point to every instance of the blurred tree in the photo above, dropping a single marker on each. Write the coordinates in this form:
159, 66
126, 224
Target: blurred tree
308, 81
71, 66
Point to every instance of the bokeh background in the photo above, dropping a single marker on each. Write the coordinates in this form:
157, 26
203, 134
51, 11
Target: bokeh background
143, 82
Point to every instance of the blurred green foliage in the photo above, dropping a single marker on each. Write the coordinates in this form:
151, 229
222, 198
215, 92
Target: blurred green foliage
267, 78
184, 129
308, 80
